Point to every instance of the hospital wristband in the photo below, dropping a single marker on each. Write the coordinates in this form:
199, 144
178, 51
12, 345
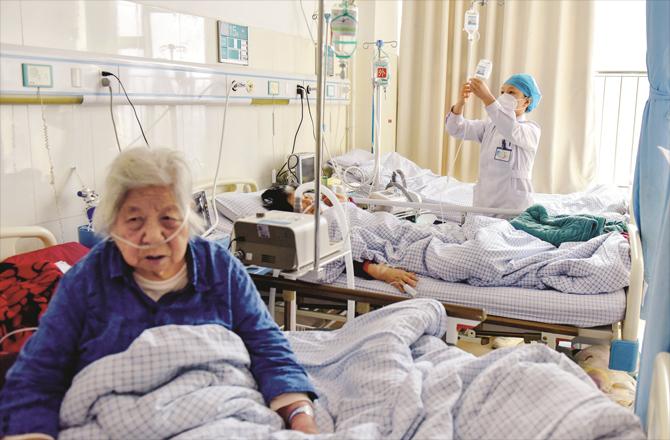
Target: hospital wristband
302, 409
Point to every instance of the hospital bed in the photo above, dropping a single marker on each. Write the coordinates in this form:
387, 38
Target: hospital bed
12, 235
658, 423
447, 194
548, 316
545, 315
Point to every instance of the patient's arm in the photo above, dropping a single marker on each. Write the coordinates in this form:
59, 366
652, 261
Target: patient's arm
395, 277
301, 422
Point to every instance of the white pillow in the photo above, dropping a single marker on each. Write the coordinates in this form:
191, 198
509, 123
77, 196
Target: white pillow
235, 205
354, 157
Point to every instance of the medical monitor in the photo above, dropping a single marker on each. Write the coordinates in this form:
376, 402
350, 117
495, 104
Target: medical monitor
304, 167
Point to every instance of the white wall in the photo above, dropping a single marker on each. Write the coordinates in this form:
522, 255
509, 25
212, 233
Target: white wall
283, 16
82, 136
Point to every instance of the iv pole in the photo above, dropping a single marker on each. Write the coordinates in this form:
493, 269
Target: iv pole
376, 110
320, 91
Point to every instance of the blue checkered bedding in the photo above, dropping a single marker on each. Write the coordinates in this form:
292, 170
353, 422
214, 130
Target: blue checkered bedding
485, 252
384, 375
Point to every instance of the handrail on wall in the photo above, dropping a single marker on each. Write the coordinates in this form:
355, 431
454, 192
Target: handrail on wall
44, 99
32, 99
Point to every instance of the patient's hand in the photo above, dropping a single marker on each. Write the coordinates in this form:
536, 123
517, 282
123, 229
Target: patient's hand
304, 423
341, 197
300, 422
395, 277
307, 202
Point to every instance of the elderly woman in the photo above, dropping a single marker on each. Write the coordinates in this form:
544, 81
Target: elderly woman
150, 273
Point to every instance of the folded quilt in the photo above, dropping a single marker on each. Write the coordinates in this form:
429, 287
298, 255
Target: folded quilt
558, 229
384, 375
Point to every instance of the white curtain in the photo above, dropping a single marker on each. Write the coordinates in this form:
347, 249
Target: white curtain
422, 72
552, 40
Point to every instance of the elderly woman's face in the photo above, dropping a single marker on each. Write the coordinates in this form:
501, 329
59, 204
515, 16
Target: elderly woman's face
148, 216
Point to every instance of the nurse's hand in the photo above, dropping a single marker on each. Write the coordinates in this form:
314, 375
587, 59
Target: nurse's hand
481, 91
457, 108
466, 91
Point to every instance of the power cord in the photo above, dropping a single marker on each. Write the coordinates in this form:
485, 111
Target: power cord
52, 173
215, 224
283, 175
106, 82
309, 110
104, 74
309, 28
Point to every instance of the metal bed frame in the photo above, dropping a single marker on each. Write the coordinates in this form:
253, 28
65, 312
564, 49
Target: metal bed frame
470, 323
474, 323
461, 317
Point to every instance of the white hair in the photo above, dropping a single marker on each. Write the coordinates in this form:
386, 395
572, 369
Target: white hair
138, 168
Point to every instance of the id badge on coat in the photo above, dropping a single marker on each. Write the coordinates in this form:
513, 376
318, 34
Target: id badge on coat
503, 153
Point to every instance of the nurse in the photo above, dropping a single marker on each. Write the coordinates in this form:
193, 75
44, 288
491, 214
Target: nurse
508, 141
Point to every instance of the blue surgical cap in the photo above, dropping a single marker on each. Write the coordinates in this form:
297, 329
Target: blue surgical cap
527, 85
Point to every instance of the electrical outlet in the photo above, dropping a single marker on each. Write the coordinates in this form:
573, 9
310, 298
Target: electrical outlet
75, 77
273, 88
292, 89
37, 75
248, 85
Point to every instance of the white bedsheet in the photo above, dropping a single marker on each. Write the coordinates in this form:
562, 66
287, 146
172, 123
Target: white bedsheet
597, 199
547, 306
384, 375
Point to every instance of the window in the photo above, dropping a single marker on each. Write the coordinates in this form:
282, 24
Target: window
620, 86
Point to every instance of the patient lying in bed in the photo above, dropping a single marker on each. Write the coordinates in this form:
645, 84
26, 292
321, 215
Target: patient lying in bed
484, 252
282, 198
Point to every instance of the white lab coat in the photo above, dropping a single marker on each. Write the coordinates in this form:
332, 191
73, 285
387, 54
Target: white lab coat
508, 147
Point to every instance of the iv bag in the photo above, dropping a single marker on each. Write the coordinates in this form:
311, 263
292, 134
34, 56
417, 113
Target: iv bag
471, 21
484, 68
381, 70
343, 28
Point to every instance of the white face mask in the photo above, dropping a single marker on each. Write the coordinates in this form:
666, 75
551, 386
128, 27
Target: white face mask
509, 102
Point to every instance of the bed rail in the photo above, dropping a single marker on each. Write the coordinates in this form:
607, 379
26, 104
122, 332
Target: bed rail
333, 293
10, 235
438, 207
658, 420
228, 185
624, 347
636, 287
